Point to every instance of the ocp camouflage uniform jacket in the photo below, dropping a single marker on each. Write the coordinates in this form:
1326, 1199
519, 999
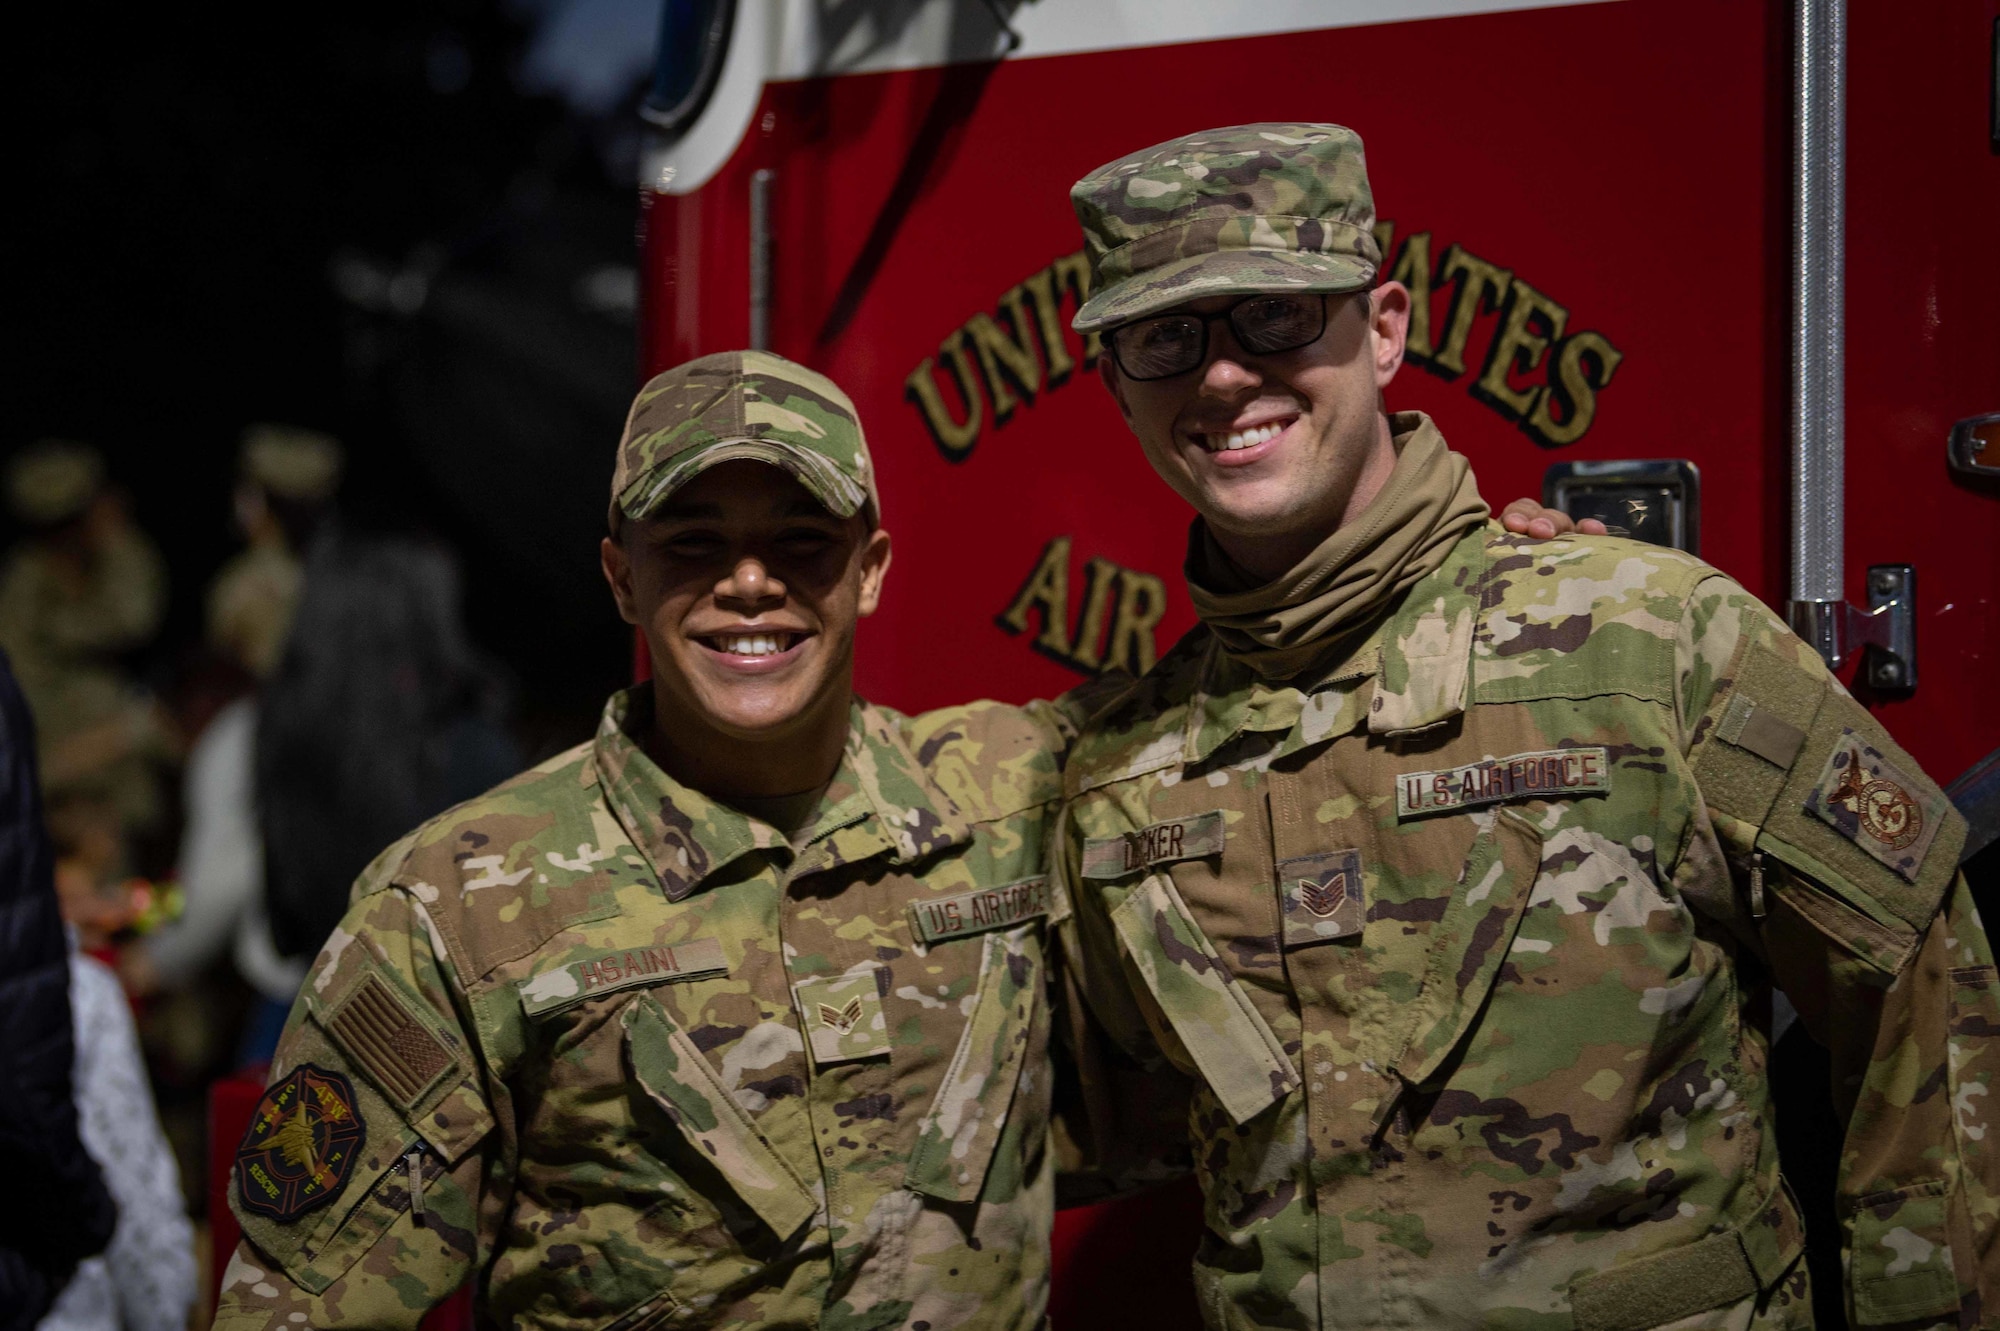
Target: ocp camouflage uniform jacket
613, 1052
1467, 943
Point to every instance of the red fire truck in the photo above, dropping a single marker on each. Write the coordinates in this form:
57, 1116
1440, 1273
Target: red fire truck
1592, 202
1723, 272
1687, 264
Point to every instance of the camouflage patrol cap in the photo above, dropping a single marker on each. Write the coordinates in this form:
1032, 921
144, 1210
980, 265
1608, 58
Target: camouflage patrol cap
1226, 212
53, 480
743, 404
291, 462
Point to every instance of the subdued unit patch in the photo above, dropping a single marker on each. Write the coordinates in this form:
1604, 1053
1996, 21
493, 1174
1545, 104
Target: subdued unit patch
387, 1041
1873, 803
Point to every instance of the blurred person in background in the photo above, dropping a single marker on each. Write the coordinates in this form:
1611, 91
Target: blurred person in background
54, 1208
145, 1280
286, 481
381, 713
220, 876
82, 589
287, 477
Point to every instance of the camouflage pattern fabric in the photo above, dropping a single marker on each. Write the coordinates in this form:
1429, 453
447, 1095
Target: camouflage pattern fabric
625, 1055
1226, 212
743, 404
1469, 989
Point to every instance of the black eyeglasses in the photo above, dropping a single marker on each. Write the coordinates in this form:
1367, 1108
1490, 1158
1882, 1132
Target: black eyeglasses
1170, 344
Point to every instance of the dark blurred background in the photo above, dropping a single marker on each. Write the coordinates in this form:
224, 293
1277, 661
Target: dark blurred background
408, 225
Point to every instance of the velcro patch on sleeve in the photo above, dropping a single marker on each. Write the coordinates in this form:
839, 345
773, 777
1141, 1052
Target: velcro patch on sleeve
1191, 838
936, 920
388, 1042
1874, 804
597, 973
1546, 774
1760, 731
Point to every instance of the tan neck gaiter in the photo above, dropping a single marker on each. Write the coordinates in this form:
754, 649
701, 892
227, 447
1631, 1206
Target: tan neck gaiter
1283, 626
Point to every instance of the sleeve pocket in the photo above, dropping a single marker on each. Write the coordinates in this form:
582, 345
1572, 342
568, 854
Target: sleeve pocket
1833, 799
316, 1245
1677, 1284
955, 1141
671, 1070
1900, 1256
1240, 1058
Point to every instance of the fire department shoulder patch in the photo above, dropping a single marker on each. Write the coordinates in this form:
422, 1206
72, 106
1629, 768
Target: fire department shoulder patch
301, 1145
1868, 800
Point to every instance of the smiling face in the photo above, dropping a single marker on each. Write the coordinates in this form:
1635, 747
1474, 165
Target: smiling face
1275, 451
747, 591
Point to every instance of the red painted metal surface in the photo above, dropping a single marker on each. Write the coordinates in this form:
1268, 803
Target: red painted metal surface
231, 1101
1635, 193
1923, 350
1628, 162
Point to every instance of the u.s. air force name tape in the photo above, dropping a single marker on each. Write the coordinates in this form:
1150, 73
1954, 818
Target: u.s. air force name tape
1548, 774
596, 973
1192, 838
978, 911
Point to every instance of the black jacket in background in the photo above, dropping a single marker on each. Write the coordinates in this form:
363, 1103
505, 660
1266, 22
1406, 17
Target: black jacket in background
54, 1210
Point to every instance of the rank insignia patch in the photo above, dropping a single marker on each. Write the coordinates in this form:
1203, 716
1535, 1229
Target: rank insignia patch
843, 1016
1868, 800
301, 1146
844, 1020
1321, 897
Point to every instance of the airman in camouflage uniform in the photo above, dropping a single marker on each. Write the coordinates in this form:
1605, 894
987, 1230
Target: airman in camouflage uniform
1457, 881
286, 478
629, 1055
85, 588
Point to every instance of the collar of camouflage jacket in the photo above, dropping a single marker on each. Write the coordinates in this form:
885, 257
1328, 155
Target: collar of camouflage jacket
880, 802
1291, 624
1417, 657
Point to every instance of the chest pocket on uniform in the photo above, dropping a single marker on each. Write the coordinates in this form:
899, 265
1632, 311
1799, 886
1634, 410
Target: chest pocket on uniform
1470, 943
1005, 1034
1240, 1058
677, 1076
